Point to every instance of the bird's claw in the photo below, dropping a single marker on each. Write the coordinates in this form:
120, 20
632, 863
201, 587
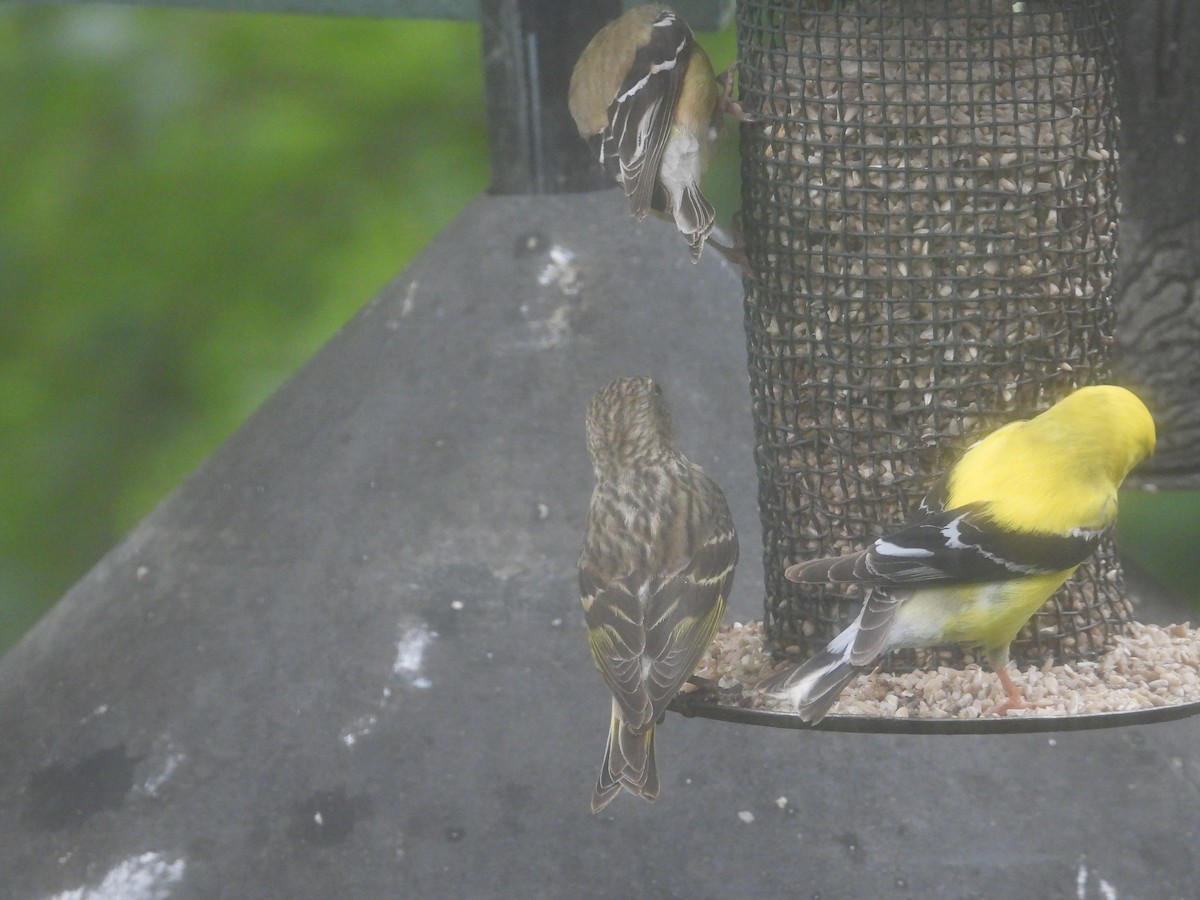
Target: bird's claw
726, 104
1002, 709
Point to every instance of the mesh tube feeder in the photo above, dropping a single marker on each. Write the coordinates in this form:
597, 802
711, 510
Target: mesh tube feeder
929, 207
931, 213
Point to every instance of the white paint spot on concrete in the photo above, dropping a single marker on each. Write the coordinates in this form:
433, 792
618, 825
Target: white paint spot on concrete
163, 775
145, 877
359, 728
410, 298
548, 313
1107, 891
96, 713
410, 652
560, 272
548, 331
407, 303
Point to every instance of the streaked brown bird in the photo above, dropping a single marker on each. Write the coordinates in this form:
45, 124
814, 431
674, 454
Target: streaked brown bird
655, 571
644, 95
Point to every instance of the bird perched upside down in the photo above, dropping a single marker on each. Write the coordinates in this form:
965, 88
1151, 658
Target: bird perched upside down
644, 95
995, 537
657, 562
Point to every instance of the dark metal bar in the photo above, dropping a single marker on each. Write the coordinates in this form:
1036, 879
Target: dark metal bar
1028, 724
529, 49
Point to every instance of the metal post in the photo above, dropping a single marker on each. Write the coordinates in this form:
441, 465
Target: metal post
529, 49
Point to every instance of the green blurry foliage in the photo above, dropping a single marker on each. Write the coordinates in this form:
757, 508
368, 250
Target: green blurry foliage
1159, 533
190, 205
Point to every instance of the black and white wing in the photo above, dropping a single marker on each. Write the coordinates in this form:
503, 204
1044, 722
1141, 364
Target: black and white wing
639, 119
957, 546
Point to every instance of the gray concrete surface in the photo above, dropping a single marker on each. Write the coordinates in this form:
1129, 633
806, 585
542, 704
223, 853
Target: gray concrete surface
345, 659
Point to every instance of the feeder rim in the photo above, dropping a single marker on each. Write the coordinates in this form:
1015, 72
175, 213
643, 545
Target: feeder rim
1027, 724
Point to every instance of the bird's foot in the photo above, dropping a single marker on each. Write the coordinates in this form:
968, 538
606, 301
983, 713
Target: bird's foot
726, 105
1013, 698
710, 691
1002, 709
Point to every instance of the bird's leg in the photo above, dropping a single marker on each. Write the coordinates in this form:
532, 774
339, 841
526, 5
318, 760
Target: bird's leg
737, 253
1015, 700
726, 105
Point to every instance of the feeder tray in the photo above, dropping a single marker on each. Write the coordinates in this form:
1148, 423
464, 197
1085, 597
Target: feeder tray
894, 725
1156, 666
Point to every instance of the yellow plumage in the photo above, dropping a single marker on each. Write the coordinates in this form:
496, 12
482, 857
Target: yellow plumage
1009, 523
1060, 470
987, 616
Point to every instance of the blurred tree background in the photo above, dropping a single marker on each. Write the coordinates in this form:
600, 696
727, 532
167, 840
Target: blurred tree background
191, 203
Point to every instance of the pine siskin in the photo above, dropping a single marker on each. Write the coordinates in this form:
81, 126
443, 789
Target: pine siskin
657, 563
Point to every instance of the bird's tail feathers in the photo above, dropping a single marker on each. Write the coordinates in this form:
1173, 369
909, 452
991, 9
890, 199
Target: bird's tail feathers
628, 763
814, 685
695, 218
832, 570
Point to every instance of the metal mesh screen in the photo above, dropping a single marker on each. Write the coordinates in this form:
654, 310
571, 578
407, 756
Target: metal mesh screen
929, 208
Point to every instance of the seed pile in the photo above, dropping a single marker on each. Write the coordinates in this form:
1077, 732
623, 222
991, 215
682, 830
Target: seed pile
1152, 666
930, 212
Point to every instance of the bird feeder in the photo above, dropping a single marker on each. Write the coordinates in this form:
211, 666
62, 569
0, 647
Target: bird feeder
930, 214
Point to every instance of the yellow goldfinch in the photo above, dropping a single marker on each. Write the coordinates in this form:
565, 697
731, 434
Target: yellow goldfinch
994, 538
644, 94
656, 566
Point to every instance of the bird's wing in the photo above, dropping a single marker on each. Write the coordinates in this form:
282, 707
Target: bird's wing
647, 636
874, 628
639, 119
957, 546
685, 612
613, 611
